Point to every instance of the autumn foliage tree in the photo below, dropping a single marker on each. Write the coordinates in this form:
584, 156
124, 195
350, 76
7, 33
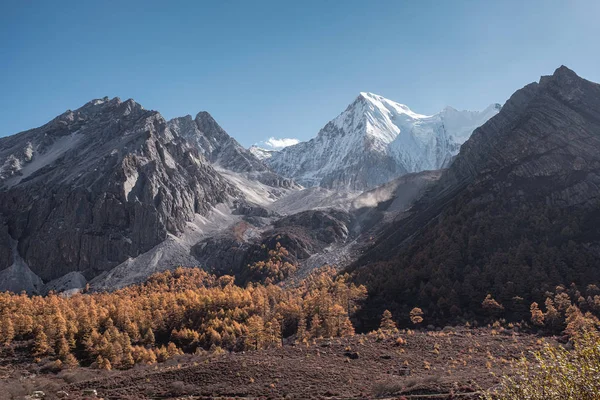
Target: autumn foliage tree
537, 316
416, 316
387, 324
492, 306
185, 310
40, 343
7, 330
275, 268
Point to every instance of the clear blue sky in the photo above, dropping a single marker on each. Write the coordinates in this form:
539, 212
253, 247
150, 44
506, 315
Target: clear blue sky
282, 68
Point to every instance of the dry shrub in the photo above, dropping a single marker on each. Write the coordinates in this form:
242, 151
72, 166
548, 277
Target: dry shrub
388, 387
391, 387
179, 388
77, 375
18, 389
556, 373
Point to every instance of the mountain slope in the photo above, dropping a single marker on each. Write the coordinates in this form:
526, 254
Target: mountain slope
96, 186
376, 140
514, 216
223, 151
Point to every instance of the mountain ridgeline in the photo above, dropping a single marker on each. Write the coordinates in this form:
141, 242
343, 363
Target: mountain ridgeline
103, 184
223, 151
436, 212
515, 215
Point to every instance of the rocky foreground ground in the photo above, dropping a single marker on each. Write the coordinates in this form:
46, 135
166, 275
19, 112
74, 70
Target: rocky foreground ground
453, 363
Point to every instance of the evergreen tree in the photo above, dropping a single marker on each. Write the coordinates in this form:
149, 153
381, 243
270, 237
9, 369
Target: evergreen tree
40, 343
7, 330
552, 316
301, 332
316, 327
255, 332
149, 339
537, 316
387, 324
103, 363
491, 305
61, 348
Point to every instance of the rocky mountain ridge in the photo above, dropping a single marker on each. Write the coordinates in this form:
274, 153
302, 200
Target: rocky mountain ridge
96, 186
111, 193
223, 151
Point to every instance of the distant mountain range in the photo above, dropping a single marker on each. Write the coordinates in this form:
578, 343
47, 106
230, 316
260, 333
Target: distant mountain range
110, 193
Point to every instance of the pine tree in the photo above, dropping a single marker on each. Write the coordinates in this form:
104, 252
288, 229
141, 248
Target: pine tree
301, 332
7, 330
23, 324
40, 343
103, 363
315, 327
387, 324
161, 353
255, 331
89, 343
132, 330
149, 339
347, 328
491, 305
274, 331
552, 316
127, 361
537, 316
70, 361
61, 348
172, 350
58, 326
339, 316
150, 357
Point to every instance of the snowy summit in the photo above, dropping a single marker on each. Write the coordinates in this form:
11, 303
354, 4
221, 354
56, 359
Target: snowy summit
376, 140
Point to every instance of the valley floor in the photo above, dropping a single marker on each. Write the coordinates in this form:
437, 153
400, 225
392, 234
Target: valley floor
453, 363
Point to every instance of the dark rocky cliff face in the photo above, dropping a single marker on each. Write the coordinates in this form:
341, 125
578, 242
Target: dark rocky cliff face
98, 185
515, 215
546, 129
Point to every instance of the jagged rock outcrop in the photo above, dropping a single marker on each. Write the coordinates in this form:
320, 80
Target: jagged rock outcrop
98, 185
223, 151
376, 140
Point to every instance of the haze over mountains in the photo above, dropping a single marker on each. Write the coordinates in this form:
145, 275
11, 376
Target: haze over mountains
110, 193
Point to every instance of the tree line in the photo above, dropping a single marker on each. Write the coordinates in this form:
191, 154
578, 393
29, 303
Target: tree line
180, 311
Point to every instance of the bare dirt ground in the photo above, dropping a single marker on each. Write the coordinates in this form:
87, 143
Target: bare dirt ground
454, 363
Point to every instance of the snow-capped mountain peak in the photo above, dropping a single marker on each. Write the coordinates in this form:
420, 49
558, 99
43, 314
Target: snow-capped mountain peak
375, 140
390, 106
